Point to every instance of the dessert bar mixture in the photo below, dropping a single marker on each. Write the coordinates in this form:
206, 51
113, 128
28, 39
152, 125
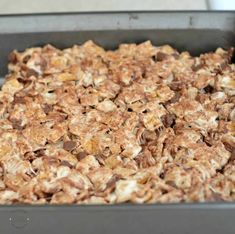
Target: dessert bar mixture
140, 124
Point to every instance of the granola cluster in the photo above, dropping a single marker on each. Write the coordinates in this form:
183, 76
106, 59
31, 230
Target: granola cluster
140, 124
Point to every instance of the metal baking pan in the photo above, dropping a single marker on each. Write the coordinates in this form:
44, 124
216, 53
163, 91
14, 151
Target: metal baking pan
196, 32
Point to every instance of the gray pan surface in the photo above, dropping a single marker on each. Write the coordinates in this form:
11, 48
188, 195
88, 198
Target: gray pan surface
196, 32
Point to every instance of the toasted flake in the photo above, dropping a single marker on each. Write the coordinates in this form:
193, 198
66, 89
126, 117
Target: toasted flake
66, 77
106, 106
125, 189
12, 86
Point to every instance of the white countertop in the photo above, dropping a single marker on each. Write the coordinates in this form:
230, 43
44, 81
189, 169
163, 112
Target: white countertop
35, 6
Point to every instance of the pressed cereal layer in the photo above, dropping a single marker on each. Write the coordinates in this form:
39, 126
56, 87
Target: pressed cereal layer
139, 124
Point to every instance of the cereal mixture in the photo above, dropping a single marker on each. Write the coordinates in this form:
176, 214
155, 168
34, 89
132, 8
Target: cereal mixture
139, 124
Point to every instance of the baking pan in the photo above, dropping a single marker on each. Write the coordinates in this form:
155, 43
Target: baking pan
196, 32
